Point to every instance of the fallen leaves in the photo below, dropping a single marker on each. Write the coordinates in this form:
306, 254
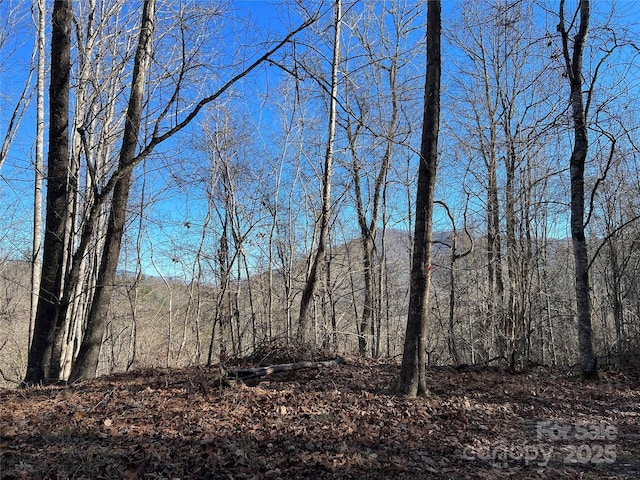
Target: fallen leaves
332, 423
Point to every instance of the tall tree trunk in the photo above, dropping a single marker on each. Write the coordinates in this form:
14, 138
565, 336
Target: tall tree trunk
36, 259
369, 229
412, 379
223, 310
325, 213
46, 319
573, 62
494, 251
86, 363
514, 281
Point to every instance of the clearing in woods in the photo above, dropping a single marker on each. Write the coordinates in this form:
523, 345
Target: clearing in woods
335, 422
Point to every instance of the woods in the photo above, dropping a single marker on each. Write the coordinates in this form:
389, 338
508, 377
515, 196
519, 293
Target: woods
218, 184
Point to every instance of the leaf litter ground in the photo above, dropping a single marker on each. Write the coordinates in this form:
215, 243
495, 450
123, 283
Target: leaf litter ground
337, 422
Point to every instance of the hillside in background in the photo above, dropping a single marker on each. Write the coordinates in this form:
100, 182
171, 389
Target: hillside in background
176, 322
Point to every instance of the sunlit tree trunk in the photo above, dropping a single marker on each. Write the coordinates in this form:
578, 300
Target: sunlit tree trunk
47, 320
573, 62
325, 214
36, 251
412, 379
494, 250
223, 310
87, 361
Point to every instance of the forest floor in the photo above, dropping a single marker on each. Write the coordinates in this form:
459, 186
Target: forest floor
335, 422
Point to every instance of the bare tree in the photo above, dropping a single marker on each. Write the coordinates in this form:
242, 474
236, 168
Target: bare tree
36, 250
412, 380
454, 257
86, 363
47, 320
325, 214
573, 53
478, 84
371, 124
71, 277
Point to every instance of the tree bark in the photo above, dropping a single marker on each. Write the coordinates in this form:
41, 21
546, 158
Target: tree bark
86, 363
325, 213
57, 207
495, 305
412, 379
36, 250
369, 228
573, 62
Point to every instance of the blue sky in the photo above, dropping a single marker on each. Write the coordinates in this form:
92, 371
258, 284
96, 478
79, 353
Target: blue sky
168, 216
268, 21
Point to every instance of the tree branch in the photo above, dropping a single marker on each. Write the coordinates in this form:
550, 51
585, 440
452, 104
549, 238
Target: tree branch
247, 373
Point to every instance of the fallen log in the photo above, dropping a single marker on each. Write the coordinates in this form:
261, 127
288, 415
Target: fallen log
247, 373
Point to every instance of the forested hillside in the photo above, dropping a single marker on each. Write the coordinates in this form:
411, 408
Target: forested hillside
167, 322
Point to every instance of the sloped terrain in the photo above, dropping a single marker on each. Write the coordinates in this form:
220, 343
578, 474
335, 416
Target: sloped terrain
336, 422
